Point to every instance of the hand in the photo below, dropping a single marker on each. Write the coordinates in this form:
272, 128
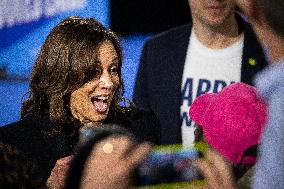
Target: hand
111, 163
216, 170
58, 174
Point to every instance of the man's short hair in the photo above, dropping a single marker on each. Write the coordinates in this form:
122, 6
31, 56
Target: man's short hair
274, 11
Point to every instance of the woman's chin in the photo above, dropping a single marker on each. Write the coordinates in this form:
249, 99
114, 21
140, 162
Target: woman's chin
99, 116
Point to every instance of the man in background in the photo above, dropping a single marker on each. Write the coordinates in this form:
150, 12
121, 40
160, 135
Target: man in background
215, 50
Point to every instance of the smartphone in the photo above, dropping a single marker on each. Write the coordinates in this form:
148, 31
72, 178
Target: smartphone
168, 165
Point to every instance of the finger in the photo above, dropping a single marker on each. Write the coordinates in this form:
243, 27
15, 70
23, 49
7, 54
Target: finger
64, 161
53, 180
137, 154
208, 172
215, 158
223, 167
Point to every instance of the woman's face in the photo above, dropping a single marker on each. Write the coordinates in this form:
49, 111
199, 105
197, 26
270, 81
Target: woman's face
91, 102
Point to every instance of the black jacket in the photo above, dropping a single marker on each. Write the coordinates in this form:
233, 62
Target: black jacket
38, 140
159, 78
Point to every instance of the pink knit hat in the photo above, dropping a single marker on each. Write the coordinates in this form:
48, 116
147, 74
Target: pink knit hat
232, 120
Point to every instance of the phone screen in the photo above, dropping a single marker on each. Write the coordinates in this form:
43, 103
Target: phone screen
169, 164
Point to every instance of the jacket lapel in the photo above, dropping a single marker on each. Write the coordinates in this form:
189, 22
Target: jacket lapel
253, 59
175, 66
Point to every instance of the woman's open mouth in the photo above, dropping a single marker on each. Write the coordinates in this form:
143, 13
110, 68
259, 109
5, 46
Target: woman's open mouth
100, 103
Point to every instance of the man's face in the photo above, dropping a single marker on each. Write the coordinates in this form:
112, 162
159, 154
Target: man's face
91, 102
212, 13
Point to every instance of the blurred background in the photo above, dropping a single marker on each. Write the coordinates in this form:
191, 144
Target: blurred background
24, 25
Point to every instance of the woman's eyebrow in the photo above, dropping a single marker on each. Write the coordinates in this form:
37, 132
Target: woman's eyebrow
115, 60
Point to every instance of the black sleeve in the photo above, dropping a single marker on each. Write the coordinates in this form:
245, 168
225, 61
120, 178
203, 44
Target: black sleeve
25, 136
146, 127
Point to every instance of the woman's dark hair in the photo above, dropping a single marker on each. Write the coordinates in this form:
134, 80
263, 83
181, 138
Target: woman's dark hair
67, 60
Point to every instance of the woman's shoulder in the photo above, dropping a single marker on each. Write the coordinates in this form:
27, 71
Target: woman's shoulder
29, 133
29, 124
23, 126
38, 140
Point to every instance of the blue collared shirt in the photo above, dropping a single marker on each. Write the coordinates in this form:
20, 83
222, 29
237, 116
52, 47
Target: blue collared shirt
270, 166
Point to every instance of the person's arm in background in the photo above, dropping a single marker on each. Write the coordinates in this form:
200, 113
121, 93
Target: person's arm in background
140, 94
270, 166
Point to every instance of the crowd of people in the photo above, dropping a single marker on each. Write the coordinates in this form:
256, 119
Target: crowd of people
217, 80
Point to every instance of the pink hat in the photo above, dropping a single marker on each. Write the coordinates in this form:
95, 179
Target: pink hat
232, 120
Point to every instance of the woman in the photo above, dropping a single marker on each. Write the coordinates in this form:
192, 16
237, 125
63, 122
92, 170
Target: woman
76, 80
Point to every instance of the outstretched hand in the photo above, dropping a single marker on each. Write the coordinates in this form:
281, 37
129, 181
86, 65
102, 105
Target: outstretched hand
217, 171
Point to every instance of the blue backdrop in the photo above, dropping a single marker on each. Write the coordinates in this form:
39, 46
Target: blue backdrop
24, 25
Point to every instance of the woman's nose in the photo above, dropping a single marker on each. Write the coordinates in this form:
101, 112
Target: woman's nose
106, 81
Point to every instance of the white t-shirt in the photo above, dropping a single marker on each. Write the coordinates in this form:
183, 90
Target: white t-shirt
206, 70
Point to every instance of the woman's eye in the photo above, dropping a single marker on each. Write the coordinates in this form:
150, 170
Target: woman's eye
114, 70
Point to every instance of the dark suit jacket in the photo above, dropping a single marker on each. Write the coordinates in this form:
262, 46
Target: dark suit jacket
159, 78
